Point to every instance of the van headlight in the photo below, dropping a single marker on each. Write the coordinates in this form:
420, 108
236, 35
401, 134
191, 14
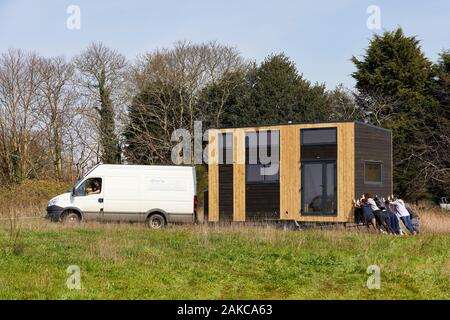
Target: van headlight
52, 202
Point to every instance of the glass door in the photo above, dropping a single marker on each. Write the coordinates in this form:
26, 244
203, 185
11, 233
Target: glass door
318, 189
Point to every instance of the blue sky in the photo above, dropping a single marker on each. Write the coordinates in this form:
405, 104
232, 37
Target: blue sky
320, 36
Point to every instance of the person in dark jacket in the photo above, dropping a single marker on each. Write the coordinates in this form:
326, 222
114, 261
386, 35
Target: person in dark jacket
359, 216
393, 219
381, 221
379, 203
384, 216
368, 214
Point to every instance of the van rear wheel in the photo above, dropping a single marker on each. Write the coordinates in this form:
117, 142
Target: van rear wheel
71, 218
156, 221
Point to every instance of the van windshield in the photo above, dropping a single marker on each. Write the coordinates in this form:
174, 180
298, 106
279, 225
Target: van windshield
74, 186
78, 182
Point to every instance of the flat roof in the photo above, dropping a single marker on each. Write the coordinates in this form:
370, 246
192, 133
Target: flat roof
306, 122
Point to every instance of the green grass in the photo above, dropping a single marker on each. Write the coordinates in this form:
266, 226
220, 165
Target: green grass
196, 262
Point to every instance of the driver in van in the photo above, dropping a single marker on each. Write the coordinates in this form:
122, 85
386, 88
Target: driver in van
94, 188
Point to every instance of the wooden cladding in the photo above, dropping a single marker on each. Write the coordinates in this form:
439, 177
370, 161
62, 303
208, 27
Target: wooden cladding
213, 176
239, 176
290, 172
249, 201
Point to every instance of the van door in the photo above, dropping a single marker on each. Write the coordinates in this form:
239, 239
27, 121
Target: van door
88, 198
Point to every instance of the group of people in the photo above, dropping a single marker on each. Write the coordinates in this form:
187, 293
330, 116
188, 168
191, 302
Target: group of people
385, 215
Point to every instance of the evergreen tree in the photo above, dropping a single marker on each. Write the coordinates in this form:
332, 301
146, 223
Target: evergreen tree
440, 86
273, 92
224, 103
280, 94
152, 118
395, 68
440, 142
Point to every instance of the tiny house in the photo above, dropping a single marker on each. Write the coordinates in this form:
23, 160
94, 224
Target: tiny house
307, 172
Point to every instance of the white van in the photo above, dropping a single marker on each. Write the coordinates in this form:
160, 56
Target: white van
154, 194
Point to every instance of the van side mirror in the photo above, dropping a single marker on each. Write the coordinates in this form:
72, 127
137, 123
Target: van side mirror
73, 191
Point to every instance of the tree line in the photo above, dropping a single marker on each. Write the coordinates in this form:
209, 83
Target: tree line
60, 117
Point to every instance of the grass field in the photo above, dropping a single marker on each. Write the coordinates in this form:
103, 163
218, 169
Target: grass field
241, 262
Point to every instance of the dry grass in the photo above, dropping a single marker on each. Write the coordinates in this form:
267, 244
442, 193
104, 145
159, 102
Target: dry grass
30, 197
434, 220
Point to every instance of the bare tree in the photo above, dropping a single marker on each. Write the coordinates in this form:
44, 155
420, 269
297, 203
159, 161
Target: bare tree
378, 108
167, 84
434, 152
189, 68
57, 105
101, 72
18, 105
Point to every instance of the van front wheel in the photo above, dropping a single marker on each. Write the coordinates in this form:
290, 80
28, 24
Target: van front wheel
71, 218
156, 221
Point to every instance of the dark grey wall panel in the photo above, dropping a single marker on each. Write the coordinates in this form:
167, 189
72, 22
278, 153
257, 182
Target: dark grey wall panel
262, 201
225, 192
373, 144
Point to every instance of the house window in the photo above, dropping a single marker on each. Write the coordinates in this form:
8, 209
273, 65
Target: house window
262, 157
373, 172
318, 136
226, 148
318, 144
318, 155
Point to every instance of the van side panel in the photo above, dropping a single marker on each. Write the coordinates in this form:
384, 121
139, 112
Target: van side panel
122, 200
172, 192
132, 193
